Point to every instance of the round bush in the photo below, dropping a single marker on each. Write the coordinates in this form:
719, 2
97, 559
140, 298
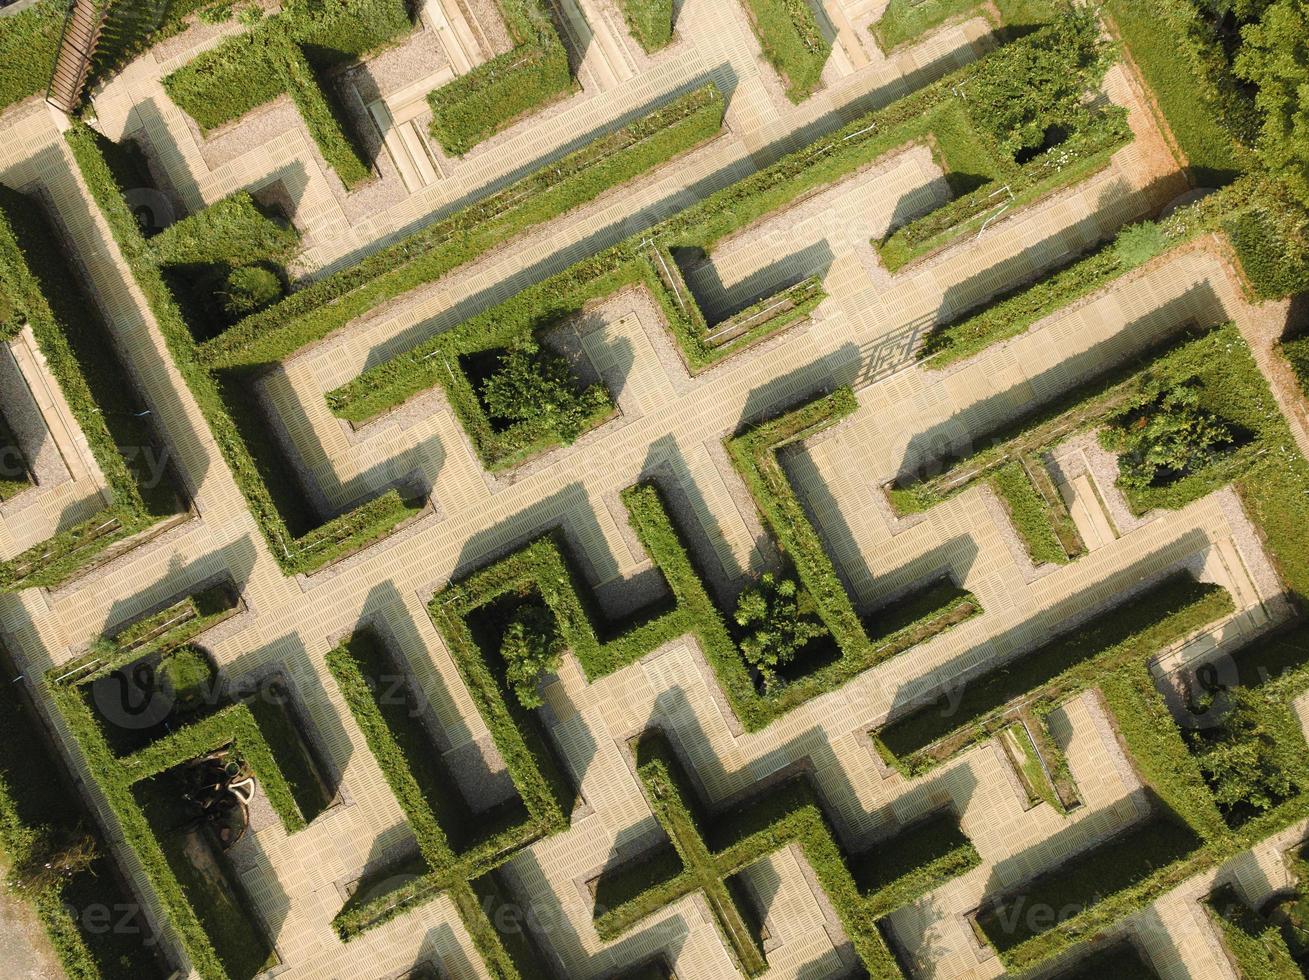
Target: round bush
250, 288
188, 675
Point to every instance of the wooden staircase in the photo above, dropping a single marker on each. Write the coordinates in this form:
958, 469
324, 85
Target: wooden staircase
77, 43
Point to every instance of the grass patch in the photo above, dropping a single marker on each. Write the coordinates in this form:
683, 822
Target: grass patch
792, 42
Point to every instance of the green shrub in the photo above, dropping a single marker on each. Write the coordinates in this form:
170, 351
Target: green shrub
250, 288
187, 676
531, 648
1023, 91
1248, 762
43, 816
1255, 945
1166, 439
774, 627
792, 42
1097, 876
1271, 239
651, 22
233, 231
530, 383
317, 546
1029, 513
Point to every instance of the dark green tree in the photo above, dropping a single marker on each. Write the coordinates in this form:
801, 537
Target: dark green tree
774, 626
1274, 56
1243, 760
531, 647
532, 383
1172, 436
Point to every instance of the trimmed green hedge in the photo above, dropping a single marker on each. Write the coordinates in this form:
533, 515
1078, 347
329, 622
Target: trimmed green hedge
1101, 874
927, 736
651, 22
79, 351
544, 567
274, 57
1255, 945
712, 850
458, 866
29, 41
792, 42
645, 257
1014, 311
496, 94
225, 406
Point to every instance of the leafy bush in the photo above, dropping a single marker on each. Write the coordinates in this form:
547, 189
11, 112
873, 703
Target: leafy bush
531, 648
792, 42
187, 676
250, 288
1167, 439
532, 383
1248, 763
651, 22
1272, 58
774, 629
1025, 90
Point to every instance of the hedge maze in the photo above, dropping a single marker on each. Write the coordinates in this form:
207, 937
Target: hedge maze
302, 539
708, 854
938, 610
144, 707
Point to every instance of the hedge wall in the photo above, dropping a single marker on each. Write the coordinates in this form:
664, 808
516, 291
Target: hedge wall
40, 807
457, 858
330, 303
496, 94
79, 351
222, 405
905, 21
29, 41
276, 56
545, 567
1184, 66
